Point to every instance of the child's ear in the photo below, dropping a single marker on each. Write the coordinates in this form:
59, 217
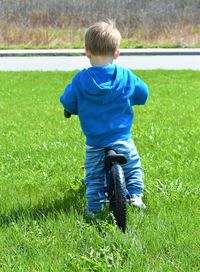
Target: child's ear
116, 54
88, 53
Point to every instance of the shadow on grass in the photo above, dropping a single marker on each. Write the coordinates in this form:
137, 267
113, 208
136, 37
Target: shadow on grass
103, 221
73, 199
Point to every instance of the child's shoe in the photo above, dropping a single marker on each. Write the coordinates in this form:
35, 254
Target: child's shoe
89, 214
136, 201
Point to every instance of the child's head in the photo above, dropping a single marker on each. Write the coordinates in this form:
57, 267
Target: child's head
102, 39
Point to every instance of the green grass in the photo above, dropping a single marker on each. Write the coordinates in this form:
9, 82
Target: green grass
42, 227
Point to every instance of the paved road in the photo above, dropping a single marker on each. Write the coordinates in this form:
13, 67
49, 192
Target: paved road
81, 52
65, 60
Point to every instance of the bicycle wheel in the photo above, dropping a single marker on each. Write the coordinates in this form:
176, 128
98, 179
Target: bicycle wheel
118, 195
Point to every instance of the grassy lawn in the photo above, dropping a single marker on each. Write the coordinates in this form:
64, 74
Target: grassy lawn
125, 44
42, 227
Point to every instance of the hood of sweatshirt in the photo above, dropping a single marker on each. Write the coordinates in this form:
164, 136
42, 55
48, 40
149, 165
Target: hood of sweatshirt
102, 84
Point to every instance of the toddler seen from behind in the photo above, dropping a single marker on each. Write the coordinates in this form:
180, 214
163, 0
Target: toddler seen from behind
103, 96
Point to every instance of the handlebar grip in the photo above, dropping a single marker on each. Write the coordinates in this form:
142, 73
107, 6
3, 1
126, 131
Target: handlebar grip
67, 114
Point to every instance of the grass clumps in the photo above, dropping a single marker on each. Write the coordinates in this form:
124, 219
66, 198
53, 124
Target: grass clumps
42, 224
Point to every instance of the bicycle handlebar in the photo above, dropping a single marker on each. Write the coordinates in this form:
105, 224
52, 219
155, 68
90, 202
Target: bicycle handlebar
67, 114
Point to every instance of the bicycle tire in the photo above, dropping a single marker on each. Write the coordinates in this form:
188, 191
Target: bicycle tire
118, 195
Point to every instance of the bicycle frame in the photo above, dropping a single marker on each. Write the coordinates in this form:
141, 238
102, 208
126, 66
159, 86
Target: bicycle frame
111, 158
107, 193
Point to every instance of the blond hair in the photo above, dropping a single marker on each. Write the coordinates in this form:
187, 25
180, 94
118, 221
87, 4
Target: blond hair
102, 38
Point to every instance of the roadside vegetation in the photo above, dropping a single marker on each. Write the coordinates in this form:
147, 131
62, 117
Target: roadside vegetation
62, 23
42, 227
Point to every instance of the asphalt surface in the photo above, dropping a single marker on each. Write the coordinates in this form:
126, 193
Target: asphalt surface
73, 59
81, 52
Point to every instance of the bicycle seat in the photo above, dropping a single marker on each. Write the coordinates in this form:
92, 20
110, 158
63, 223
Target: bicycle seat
113, 157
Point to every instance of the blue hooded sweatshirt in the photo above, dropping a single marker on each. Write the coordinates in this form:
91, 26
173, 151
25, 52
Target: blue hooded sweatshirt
102, 97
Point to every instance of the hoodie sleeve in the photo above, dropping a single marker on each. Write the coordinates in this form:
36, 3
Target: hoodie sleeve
69, 99
140, 93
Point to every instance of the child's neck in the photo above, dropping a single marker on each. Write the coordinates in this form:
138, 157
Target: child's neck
101, 60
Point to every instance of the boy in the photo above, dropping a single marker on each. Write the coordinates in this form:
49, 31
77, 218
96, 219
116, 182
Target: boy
102, 96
